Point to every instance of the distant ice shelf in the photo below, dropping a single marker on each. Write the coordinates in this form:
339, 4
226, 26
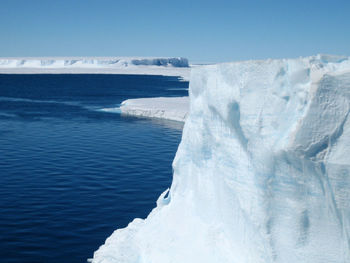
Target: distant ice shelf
108, 65
170, 108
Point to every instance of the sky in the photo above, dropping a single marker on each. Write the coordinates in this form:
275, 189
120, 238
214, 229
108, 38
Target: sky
202, 31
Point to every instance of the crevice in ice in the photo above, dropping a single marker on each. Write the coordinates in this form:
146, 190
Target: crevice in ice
304, 228
319, 149
233, 121
235, 115
164, 198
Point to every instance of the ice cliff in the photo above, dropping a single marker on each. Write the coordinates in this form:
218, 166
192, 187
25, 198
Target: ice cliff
262, 173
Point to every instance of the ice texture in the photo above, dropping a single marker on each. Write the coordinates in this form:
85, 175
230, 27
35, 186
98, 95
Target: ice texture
262, 173
111, 65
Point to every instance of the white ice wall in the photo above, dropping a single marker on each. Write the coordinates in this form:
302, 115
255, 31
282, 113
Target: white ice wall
262, 173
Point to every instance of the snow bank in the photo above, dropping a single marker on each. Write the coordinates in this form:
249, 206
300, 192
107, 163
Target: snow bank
262, 173
110, 65
175, 108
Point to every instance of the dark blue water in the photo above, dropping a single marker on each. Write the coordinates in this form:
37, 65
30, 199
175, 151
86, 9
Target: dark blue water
70, 174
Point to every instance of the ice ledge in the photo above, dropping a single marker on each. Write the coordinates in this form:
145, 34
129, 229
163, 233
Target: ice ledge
170, 108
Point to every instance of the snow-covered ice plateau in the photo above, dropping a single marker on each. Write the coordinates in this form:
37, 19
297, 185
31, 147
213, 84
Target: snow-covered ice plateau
262, 173
109, 65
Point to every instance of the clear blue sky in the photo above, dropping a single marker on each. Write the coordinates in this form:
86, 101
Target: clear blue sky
203, 31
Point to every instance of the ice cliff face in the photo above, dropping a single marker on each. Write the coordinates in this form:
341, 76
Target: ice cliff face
108, 62
262, 173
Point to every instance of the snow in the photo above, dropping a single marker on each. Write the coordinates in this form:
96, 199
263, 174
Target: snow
91, 65
170, 108
262, 173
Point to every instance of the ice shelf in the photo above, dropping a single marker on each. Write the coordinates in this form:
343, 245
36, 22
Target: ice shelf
89, 65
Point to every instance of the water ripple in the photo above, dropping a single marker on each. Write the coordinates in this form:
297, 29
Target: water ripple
70, 175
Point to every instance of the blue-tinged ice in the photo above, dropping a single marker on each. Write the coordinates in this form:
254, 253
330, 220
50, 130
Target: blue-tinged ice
262, 173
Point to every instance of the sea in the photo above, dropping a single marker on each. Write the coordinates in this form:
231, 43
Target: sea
71, 173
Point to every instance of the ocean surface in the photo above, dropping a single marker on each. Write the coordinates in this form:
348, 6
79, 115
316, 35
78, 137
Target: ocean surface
70, 174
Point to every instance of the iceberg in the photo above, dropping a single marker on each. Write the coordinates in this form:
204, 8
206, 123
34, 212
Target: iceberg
262, 173
176, 66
